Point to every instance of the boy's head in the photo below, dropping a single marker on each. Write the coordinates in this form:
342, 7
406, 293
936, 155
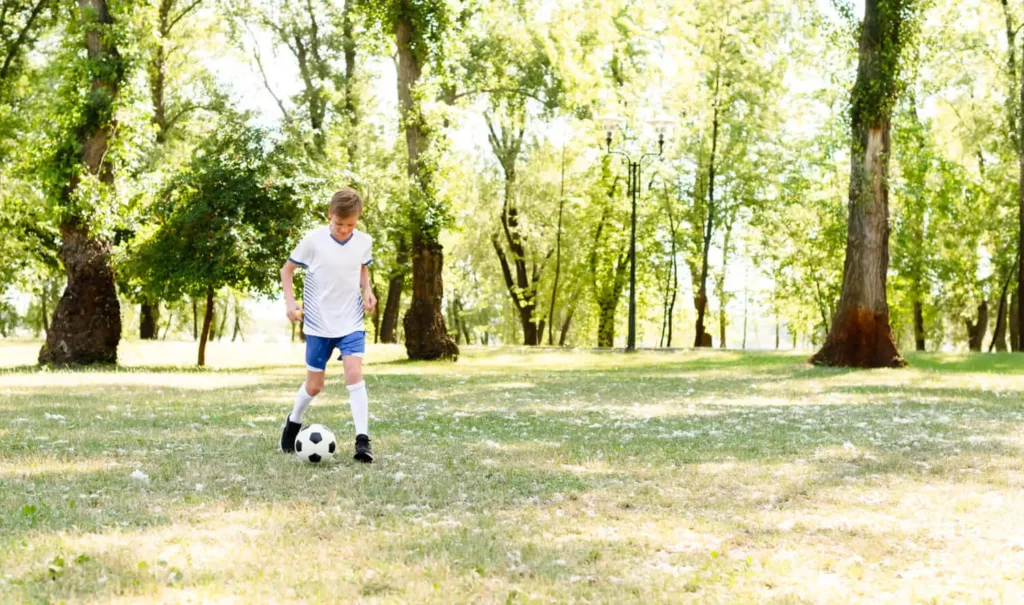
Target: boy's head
346, 206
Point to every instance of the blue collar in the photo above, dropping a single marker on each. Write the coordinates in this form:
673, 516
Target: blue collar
347, 240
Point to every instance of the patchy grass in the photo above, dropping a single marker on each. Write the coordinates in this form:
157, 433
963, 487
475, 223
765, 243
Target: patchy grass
515, 476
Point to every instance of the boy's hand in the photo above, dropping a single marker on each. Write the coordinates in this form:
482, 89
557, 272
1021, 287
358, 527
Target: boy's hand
369, 301
294, 312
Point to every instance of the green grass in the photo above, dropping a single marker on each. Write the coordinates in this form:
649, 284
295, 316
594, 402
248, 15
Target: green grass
514, 476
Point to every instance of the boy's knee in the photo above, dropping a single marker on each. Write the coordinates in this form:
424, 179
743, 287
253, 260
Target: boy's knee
314, 387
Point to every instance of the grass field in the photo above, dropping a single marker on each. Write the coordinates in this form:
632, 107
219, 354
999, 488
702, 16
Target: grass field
515, 476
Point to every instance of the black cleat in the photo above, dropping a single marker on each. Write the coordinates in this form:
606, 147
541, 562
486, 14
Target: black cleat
289, 434
363, 451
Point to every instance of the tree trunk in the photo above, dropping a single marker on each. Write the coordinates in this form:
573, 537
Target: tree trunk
558, 256
606, 325
1014, 326
701, 299
426, 336
351, 102
86, 326
723, 296
195, 320
149, 317
207, 322
976, 331
223, 322
918, 325
565, 327
376, 309
861, 335
389, 325
999, 337
522, 287
237, 331
777, 334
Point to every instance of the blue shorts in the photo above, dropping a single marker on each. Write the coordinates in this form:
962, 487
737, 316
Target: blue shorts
319, 349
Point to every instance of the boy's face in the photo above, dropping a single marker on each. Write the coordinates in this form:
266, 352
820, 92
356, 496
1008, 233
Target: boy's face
341, 228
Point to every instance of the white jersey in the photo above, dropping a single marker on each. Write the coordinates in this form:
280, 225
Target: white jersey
332, 303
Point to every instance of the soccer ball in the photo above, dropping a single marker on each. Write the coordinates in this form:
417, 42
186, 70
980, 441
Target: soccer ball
316, 443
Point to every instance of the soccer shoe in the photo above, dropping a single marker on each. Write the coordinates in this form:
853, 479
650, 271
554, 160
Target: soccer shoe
363, 451
288, 435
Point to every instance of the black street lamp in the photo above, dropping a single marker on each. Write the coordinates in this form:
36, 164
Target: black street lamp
611, 124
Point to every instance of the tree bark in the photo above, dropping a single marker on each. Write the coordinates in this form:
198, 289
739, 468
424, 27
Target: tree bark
558, 256
701, 299
522, 288
861, 335
1014, 326
976, 331
207, 321
999, 336
565, 327
426, 336
919, 325
389, 325
86, 326
149, 318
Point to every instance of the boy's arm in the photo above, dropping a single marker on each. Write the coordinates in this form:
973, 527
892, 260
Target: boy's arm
287, 280
369, 300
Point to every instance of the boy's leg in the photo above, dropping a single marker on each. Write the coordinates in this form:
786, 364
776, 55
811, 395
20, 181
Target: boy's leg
358, 399
352, 348
318, 350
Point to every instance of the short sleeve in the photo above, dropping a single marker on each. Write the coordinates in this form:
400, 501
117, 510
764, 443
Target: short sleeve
368, 254
302, 255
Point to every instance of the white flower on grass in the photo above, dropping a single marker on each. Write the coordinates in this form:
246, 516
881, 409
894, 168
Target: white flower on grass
399, 476
140, 476
58, 417
199, 488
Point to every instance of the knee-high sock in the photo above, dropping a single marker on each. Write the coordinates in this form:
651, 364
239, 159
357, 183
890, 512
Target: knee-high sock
360, 404
302, 401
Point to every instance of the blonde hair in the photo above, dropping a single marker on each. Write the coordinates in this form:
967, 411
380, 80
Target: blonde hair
346, 203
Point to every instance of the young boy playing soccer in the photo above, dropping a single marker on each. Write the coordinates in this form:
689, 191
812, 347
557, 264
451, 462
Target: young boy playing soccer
337, 291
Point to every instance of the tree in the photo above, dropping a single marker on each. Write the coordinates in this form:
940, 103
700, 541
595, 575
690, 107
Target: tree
860, 335
226, 221
419, 29
86, 326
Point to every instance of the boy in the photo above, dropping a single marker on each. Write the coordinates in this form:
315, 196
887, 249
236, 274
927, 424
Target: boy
336, 259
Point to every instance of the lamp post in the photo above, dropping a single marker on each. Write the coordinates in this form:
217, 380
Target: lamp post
611, 124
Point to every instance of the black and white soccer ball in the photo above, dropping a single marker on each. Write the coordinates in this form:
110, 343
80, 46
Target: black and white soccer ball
316, 443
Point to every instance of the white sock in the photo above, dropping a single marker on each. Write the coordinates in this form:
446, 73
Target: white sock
360, 404
302, 401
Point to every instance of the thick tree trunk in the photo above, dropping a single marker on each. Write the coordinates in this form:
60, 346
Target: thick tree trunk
389, 325
426, 336
918, 325
86, 326
207, 322
976, 331
861, 335
195, 319
149, 318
